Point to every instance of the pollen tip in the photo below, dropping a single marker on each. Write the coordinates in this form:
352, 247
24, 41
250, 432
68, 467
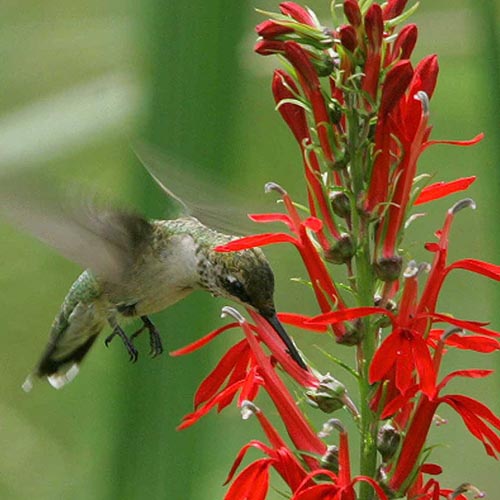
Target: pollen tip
273, 186
424, 99
460, 205
231, 311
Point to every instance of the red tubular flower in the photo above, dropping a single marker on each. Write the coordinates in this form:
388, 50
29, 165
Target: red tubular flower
280, 458
473, 413
405, 43
352, 12
374, 28
394, 8
342, 485
348, 37
270, 29
284, 88
394, 88
298, 13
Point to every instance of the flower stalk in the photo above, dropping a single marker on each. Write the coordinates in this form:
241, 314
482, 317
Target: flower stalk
359, 110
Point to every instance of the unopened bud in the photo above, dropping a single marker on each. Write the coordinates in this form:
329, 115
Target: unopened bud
329, 396
330, 460
324, 65
348, 37
335, 112
340, 203
388, 440
388, 268
390, 305
341, 162
342, 251
353, 335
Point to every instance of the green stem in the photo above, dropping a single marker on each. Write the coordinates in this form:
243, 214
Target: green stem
365, 292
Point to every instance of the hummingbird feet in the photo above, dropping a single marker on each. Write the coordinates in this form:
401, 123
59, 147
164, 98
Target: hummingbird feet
154, 336
117, 331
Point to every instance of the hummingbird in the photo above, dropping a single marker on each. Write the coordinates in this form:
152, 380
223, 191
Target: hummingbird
135, 267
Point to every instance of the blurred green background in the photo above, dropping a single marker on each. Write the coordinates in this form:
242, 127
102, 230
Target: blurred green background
80, 81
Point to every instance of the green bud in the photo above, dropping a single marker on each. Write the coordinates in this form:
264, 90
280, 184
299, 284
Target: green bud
354, 333
388, 440
329, 396
324, 65
388, 268
342, 251
340, 204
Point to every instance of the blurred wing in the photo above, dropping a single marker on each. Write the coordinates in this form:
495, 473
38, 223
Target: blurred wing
202, 195
103, 239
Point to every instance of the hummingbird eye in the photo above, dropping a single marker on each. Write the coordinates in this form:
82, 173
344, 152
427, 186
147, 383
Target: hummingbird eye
235, 288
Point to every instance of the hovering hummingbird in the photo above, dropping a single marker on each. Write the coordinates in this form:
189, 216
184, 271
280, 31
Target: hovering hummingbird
136, 267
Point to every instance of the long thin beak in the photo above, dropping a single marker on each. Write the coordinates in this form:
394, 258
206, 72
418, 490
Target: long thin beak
292, 350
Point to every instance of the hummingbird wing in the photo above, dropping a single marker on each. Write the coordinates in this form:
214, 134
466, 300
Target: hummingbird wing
201, 195
104, 239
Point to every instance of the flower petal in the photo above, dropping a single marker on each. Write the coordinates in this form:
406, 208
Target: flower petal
441, 189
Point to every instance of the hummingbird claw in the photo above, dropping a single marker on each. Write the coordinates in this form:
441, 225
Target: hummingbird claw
132, 351
109, 338
154, 337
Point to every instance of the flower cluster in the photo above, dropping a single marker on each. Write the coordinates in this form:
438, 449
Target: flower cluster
359, 110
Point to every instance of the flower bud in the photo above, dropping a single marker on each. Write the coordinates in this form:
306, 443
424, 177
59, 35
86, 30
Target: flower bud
330, 460
342, 251
352, 12
388, 440
340, 203
388, 268
354, 333
390, 305
324, 65
328, 396
270, 29
335, 112
348, 37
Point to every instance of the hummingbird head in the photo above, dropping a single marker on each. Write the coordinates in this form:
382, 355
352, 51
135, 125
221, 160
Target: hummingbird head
246, 277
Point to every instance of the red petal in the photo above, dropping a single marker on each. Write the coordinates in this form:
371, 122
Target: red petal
301, 321
192, 418
441, 189
352, 12
470, 142
464, 373
396, 82
314, 224
284, 87
424, 366
477, 266
473, 326
473, 343
349, 313
201, 342
264, 218
241, 454
394, 8
374, 26
432, 469
405, 42
427, 71
210, 385
252, 483
297, 12
384, 357
271, 29
257, 240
